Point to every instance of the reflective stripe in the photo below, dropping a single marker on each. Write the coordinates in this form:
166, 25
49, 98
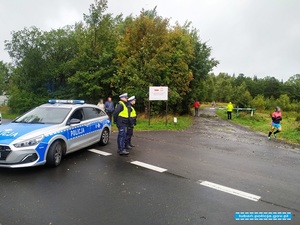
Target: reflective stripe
124, 112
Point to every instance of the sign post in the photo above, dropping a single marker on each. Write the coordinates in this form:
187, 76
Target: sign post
158, 93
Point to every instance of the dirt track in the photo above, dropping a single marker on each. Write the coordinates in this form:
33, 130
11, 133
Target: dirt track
214, 127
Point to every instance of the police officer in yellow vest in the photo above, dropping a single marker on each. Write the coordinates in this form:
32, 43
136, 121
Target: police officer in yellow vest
132, 122
121, 119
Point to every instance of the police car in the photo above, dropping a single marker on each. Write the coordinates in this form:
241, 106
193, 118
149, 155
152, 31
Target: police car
47, 132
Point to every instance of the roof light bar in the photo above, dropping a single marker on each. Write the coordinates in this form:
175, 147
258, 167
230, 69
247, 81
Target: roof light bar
63, 101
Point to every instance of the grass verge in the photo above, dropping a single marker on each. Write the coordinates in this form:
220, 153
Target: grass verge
6, 114
163, 123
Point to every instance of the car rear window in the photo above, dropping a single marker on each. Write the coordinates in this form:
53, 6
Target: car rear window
91, 113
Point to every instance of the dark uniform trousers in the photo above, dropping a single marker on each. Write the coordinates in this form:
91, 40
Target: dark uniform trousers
129, 135
121, 137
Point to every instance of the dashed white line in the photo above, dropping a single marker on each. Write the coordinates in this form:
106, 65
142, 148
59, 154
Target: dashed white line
230, 190
100, 152
149, 166
215, 186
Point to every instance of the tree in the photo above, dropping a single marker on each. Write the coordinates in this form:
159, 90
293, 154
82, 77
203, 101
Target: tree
61, 51
97, 42
292, 87
284, 102
207, 87
4, 76
259, 102
242, 96
27, 81
271, 87
224, 88
150, 54
201, 65
43, 62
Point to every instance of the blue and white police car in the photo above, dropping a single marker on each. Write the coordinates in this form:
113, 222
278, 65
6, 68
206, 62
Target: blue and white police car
49, 131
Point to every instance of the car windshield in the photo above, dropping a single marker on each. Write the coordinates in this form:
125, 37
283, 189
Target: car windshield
44, 115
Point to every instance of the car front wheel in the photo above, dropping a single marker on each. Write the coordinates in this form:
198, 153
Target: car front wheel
104, 137
55, 154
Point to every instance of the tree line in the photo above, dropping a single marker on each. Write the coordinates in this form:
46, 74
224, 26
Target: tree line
105, 55
264, 93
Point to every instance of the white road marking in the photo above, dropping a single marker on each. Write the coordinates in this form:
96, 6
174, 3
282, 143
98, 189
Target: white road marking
215, 186
230, 190
99, 152
149, 166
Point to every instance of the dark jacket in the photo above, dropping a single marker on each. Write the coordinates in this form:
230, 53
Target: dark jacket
109, 106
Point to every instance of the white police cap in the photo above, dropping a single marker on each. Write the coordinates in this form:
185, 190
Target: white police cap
124, 95
131, 98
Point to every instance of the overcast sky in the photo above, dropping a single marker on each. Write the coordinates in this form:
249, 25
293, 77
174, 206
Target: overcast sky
253, 37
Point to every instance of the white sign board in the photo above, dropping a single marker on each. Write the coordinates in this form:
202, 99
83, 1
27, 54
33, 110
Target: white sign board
158, 93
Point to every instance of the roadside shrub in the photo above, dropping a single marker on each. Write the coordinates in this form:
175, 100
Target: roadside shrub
259, 102
23, 101
270, 103
284, 102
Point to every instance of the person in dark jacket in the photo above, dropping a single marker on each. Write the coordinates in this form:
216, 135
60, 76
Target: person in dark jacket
132, 122
121, 119
109, 108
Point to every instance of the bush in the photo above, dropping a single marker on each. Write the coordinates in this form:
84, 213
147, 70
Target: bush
284, 102
24, 101
259, 102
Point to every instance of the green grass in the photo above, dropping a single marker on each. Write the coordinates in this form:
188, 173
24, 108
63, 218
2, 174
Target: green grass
6, 114
159, 123
261, 122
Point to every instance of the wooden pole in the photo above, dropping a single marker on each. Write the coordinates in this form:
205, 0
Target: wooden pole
149, 112
166, 113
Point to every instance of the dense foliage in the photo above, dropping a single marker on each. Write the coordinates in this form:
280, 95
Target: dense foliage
105, 56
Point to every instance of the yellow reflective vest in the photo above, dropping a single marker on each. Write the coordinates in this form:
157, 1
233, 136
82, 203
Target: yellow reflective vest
229, 107
132, 117
124, 112
132, 113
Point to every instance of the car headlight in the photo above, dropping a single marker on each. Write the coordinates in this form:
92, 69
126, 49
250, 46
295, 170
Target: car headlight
29, 142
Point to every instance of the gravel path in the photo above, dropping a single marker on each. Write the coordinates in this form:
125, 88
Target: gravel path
209, 125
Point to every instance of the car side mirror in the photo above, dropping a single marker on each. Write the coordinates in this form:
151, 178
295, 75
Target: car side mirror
74, 121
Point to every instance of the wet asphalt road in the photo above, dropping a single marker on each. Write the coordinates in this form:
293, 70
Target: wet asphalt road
88, 188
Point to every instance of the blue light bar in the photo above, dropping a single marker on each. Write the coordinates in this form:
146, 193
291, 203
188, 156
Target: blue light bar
53, 101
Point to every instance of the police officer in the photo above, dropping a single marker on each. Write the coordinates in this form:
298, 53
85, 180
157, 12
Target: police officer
121, 119
132, 122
